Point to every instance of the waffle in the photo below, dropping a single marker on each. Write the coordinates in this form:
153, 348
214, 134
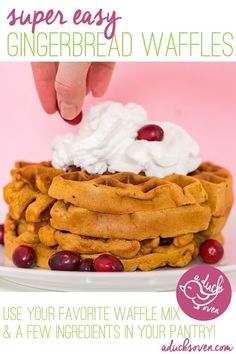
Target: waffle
217, 182
146, 222
139, 225
125, 193
145, 255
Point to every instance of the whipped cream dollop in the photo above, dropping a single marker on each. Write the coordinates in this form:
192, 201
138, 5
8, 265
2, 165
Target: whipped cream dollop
106, 141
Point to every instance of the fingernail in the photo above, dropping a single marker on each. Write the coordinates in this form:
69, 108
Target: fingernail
68, 110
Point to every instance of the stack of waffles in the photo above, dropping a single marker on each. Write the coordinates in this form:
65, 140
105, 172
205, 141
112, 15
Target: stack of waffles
146, 222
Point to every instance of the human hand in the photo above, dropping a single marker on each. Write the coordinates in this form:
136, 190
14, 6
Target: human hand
64, 85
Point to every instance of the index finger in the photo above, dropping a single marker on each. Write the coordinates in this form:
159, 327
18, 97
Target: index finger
44, 77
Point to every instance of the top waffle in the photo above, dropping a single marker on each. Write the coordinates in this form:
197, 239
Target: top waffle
123, 193
120, 193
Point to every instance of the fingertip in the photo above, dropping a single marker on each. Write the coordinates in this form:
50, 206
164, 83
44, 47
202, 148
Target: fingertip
49, 104
97, 92
68, 110
50, 110
74, 121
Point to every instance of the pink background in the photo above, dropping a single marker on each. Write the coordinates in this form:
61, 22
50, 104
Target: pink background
199, 96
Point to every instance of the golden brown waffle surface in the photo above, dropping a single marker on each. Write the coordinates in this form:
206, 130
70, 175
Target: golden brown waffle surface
133, 254
124, 193
147, 222
139, 225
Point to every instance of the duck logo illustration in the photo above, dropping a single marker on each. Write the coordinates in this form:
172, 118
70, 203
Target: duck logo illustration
203, 292
201, 297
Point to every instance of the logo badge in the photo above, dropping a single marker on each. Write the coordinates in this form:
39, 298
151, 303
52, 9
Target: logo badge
204, 293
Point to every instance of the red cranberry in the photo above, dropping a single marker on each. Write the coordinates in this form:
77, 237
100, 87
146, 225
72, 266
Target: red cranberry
107, 263
211, 251
151, 132
86, 265
64, 260
1, 234
24, 257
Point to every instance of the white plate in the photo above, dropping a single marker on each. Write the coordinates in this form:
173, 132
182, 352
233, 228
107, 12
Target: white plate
163, 279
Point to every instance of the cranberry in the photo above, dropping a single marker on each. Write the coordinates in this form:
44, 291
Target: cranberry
211, 251
24, 257
86, 265
107, 263
1, 234
64, 260
151, 132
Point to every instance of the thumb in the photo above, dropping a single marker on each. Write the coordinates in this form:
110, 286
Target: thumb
70, 85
